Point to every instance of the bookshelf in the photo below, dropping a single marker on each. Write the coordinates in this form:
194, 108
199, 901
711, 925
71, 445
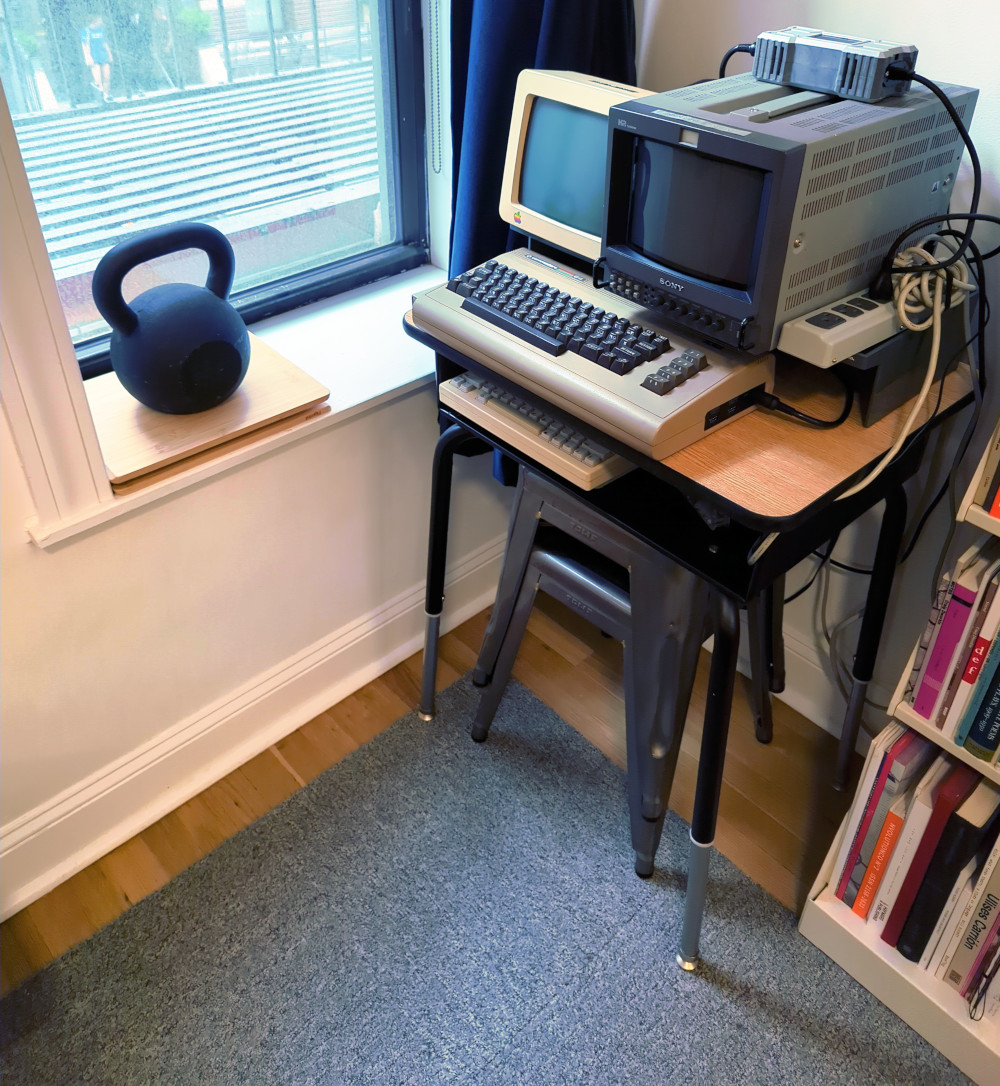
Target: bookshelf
925, 1003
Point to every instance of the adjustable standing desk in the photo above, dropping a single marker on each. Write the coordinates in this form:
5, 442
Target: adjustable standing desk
739, 509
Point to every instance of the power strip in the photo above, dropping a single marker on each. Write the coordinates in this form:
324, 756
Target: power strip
836, 332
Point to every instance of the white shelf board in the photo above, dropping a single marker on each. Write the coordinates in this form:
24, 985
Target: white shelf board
935, 1011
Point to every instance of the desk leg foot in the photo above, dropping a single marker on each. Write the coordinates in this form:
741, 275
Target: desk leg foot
426, 708
694, 903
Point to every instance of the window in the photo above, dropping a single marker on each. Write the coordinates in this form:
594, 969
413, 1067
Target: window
294, 126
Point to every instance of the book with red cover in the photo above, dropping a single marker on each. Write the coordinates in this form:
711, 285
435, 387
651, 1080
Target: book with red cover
954, 790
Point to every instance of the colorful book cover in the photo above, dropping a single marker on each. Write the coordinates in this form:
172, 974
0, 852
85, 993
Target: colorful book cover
869, 773
979, 692
905, 760
892, 825
927, 637
955, 787
986, 878
971, 576
970, 829
973, 667
914, 824
970, 654
984, 734
975, 935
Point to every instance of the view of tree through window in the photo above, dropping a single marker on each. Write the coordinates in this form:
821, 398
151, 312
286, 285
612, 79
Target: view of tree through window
273, 120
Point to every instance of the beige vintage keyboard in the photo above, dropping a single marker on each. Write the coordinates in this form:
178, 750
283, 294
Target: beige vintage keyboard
546, 328
548, 440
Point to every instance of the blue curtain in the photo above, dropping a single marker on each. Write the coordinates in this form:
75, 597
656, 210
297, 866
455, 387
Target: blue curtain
491, 41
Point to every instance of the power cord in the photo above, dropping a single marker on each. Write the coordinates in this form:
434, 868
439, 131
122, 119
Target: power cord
748, 47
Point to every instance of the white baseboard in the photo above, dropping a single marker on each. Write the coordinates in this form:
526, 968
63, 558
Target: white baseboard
57, 839
54, 841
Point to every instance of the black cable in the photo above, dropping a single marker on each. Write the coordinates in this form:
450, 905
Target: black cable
772, 403
745, 48
816, 572
881, 286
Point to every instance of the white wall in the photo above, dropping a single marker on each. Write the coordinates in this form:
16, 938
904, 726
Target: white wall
682, 41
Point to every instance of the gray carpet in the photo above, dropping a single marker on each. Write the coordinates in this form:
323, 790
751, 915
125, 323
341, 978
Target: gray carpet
435, 911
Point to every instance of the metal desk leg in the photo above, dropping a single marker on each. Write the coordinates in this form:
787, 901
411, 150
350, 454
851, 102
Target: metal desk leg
721, 680
767, 655
889, 540
437, 551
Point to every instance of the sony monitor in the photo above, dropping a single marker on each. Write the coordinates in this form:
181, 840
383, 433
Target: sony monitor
734, 206
555, 166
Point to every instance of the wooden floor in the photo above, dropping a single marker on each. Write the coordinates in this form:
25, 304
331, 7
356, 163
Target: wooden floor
777, 813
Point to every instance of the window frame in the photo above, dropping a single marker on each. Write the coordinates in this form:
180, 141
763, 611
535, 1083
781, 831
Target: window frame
399, 59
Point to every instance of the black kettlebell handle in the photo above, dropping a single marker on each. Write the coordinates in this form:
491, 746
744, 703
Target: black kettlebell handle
106, 286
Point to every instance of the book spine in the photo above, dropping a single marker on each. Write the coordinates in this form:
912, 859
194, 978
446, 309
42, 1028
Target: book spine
984, 734
967, 685
982, 684
965, 656
991, 464
984, 881
985, 953
927, 637
891, 827
946, 644
960, 894
972, 939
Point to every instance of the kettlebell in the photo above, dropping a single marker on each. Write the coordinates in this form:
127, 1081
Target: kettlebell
176, 348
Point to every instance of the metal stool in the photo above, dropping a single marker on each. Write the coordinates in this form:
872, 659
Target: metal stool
563, 546
631, 591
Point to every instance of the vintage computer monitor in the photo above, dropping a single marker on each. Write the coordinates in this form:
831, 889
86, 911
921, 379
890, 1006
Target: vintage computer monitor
554, 170
734, 206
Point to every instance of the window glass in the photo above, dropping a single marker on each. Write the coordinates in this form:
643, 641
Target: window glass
273, 120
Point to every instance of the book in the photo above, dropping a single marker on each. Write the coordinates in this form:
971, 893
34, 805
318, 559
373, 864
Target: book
984, 732
927, 637
968, 652
917, 814
954, 788
971, 825
975, 934
980, 649
869, 772
979, 691
983, 957
956, 930
904, 761
892, 826
968, 583
990, 469
961, 893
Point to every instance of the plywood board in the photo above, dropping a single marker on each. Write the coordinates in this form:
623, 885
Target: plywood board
136, 440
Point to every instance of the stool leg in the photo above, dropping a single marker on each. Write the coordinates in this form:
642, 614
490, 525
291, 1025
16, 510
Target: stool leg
524, 521
492, 692
437, 551
710, 765
668, 610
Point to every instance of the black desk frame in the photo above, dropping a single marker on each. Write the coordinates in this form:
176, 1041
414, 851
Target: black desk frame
718, 554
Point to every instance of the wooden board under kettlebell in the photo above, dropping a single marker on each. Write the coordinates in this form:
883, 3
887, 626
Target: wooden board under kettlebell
136, 440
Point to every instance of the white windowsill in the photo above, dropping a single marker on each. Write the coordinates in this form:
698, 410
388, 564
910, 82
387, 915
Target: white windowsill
354, 344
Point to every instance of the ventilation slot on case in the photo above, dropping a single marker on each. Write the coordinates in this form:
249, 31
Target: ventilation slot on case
876, 140
904, 173
824, 203
937, 161
912, 128
870, 165
910, 150
803, 275
826, 181
795, 300
832, 154
866, 188
850, 254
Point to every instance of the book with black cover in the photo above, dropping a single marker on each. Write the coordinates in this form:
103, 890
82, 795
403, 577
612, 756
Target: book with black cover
972, 827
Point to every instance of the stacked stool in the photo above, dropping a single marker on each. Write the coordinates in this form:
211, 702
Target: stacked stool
660, 611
